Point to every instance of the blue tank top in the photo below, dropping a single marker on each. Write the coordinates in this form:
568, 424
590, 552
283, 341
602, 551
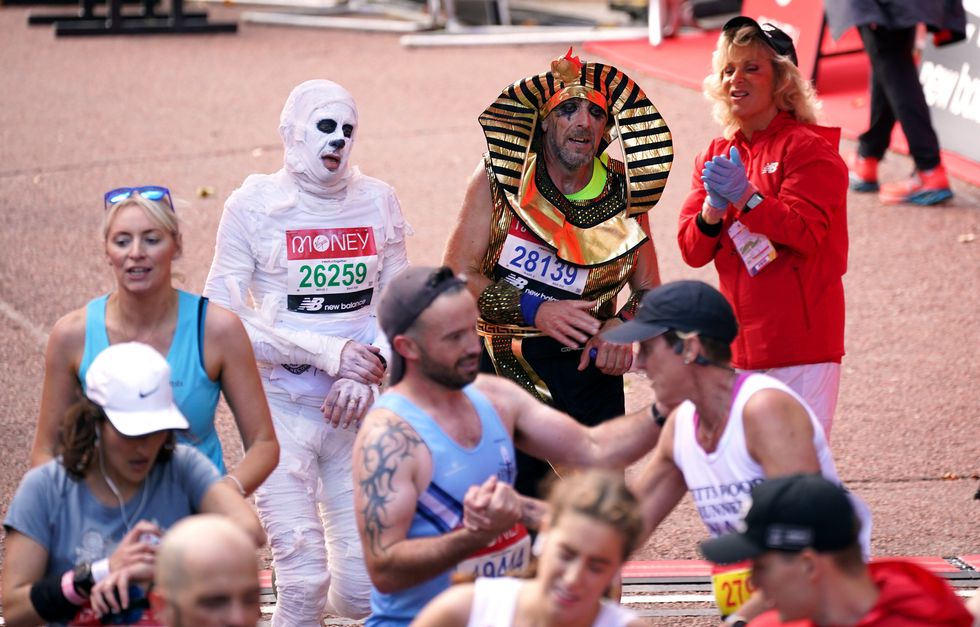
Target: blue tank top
195, 394
454, 470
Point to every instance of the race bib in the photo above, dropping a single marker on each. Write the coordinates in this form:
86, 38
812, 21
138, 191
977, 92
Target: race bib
732, 586
755, 250
531, 266
330, 270
511, 551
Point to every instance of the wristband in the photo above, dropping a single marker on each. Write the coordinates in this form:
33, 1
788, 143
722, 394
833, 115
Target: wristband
711, 230
49, 600
238, 484
736, 620
529, 307
100, 569
68, 589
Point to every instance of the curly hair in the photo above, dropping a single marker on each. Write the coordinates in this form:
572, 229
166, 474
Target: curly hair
601, 495
77, 440
792, 93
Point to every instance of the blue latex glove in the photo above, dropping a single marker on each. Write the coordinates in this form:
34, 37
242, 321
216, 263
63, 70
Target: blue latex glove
726, 176
715, 199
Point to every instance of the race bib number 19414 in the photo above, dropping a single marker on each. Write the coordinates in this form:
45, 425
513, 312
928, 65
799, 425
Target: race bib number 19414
330, 270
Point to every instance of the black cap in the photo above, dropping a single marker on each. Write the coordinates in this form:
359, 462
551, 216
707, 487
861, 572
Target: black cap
691, 306
769, 34
790, 514
403, 300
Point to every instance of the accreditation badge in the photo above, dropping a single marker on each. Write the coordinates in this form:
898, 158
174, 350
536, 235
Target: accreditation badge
755, 249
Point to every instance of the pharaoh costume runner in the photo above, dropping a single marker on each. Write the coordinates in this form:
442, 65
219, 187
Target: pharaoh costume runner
550, 246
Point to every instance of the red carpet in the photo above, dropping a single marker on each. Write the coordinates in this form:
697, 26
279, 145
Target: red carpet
842, 83
670, 569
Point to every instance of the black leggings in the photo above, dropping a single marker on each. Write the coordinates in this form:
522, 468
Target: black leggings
897, 94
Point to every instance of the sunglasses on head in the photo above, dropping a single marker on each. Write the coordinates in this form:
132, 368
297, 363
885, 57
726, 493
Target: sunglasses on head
150, 192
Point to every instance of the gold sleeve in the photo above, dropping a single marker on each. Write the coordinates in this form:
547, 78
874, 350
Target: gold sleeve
500, 302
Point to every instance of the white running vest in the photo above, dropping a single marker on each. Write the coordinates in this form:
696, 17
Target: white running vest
720, 481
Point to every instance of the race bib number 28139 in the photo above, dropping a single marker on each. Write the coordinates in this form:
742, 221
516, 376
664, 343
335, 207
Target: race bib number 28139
539, 266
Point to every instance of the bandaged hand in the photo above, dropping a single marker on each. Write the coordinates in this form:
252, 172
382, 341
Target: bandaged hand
726, 176
347, 403
360, 363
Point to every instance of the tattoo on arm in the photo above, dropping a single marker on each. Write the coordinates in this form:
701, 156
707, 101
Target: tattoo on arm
381, 456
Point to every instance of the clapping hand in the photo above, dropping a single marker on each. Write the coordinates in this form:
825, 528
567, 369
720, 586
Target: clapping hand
725, 177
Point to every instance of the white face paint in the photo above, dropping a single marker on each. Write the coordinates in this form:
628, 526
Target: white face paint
318, 126
328, 138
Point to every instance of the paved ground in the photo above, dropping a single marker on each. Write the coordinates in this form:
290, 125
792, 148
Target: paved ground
78, 117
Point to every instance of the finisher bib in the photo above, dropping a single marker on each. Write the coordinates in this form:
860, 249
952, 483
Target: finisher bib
330, 270
529, 265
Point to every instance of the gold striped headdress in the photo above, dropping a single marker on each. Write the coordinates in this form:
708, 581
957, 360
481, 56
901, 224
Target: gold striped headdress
510, 124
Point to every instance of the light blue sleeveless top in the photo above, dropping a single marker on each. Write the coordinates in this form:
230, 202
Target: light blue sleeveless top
454, 470
195, 394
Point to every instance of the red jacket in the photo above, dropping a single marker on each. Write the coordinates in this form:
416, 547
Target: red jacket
909, 596
792, 312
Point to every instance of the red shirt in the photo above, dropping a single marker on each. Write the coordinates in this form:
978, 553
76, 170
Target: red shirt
908, 596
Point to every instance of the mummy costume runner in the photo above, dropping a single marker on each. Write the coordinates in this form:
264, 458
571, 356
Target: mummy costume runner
311, 245
544, 245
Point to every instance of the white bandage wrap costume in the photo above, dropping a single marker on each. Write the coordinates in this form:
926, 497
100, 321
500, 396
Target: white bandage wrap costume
301, 256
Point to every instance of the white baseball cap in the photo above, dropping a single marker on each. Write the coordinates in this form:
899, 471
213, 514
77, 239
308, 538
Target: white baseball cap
131, 383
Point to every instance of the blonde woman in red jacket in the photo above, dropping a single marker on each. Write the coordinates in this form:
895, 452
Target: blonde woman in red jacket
768, 206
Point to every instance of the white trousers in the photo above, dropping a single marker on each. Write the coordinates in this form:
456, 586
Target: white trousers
817, 384
307, 508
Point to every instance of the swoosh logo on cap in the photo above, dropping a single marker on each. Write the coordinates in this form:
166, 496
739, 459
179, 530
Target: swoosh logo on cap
145, 394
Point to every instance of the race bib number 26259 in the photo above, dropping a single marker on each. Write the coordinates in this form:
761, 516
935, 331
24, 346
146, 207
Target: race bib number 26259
330, 270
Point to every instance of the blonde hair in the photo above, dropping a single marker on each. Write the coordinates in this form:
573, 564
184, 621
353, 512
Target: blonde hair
603, 496
159, 211
791, 92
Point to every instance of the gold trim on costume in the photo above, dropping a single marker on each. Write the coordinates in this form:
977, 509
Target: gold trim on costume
513, 366
539, 385
591, 246
485, 329
604, 281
